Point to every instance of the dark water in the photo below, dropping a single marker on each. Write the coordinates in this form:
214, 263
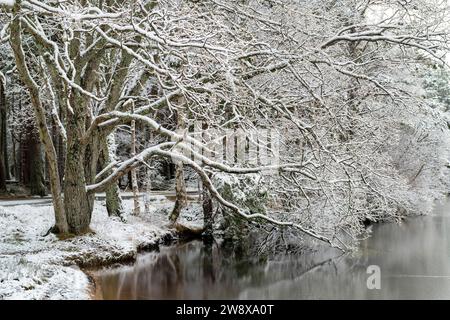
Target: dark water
414, 259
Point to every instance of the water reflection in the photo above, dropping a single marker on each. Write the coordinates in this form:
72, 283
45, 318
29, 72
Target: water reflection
414, 258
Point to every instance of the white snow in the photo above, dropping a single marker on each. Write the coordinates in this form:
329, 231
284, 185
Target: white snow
22, 279
7, 2
36, 267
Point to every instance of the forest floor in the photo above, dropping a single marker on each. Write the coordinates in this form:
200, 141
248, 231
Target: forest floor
38, 266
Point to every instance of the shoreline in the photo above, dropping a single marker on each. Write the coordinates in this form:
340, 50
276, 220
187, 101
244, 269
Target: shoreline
94, 286
34, 266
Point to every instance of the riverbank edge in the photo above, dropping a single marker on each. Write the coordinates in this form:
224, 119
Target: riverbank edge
94, 285
172, 237
33, 266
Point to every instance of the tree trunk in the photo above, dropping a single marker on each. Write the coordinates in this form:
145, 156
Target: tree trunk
16, 44
58, 141
32, 164
134, 182
77, 203
180, 185
148, 190
180, 190
3, 146
207, 216
80, 168
208, 221
113, 200
36, 166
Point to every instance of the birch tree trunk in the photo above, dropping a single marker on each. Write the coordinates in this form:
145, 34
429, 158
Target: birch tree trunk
134, 182
148, 190
113, 200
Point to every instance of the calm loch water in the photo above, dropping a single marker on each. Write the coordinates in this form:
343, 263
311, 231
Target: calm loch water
414, 259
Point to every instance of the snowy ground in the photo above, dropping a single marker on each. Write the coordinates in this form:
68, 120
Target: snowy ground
36, 267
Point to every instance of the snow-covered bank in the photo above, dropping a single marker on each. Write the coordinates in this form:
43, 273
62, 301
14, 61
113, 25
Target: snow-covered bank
34, 266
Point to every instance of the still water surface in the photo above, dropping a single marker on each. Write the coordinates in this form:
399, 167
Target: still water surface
414, 258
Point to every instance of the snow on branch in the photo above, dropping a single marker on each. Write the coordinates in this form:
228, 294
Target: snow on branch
7, 2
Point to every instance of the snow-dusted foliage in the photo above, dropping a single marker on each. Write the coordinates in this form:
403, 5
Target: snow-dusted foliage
249, 191
437, 86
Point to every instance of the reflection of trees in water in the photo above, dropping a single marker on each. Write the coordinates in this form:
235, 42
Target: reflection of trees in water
232, 270
203, 271
208, 262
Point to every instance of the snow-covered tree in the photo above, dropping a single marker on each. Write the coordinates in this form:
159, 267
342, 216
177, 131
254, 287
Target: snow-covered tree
319, 73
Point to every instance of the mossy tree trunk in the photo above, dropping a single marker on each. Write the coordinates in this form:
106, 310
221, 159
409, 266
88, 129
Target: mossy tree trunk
77, 203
